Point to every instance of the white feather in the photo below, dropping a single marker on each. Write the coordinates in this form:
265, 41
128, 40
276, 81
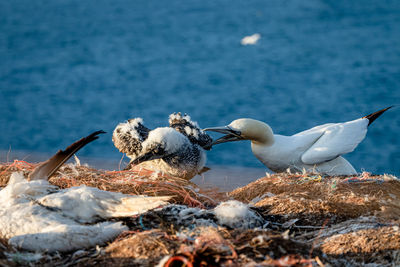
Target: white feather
172, 139
35, 217
236, 214
67, 237
88, 204
335, 140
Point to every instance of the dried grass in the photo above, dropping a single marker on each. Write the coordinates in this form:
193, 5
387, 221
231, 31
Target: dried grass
363, 241
313, 220
336, 198
145, 248
142, 182
18, 165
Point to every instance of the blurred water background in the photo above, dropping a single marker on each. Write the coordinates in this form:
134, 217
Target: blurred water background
69, 67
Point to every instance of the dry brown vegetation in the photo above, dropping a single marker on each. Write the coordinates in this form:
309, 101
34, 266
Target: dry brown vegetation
312, 220
334, 198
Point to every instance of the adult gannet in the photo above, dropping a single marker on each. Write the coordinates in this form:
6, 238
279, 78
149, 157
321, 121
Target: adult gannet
38, 216
177, 150
318, 149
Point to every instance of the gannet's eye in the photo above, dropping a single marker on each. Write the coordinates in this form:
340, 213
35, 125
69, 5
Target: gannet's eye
234, 132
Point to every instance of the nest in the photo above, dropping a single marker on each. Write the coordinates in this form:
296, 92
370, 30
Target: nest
310, 220
312, 196
141, 182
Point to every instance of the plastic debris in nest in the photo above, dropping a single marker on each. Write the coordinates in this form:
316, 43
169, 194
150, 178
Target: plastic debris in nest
207, 248
364, 177
231, 214
211, 246
331, 198
192, 236
306, 178
365, 239
18, 165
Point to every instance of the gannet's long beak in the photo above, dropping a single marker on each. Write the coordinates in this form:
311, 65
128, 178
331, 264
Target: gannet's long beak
230, 134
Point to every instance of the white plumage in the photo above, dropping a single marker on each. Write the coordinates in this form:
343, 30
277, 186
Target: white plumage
33, 217
332, 140
38, 216
171, 140
318, 149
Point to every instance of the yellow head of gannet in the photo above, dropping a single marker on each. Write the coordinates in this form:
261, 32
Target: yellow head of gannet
256, 131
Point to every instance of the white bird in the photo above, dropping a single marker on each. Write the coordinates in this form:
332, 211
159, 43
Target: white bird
177, 150
318, 149
38, 216
250, 40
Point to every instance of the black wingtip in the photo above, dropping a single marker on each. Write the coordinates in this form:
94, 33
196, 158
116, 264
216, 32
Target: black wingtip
373, 116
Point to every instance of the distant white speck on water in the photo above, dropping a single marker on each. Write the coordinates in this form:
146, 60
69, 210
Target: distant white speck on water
250, 40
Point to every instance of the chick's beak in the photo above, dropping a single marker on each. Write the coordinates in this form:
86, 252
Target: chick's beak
230, 134
145, 157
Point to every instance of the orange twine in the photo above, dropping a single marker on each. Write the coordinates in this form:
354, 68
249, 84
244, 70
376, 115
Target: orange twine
19, 164
184, 259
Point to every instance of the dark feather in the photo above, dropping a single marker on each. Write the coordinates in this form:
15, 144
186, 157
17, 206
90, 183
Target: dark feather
50, 166
179, 123
373, 116
129, 139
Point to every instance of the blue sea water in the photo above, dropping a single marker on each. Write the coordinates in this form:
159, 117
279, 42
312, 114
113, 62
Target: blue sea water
69, 67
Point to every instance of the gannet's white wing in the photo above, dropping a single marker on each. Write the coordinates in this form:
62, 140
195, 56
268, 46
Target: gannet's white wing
89, 204
35, 217
336, 139
64, 237
315, 130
